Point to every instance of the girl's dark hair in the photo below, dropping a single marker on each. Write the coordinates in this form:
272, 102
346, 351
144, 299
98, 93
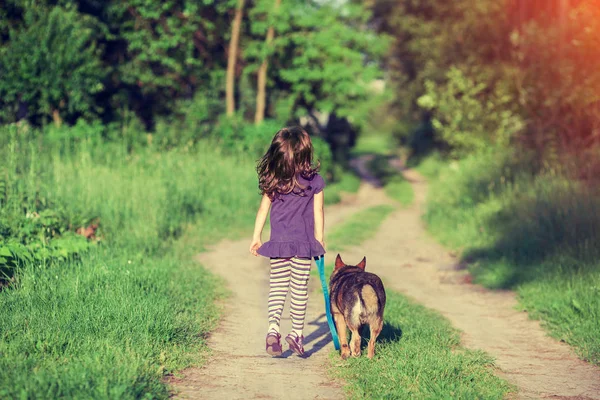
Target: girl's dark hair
289, 156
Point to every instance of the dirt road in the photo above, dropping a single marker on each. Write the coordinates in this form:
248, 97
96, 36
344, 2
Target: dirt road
413, 264
239, 367
409, 261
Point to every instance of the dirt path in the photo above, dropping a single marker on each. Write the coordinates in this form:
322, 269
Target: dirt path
239, 367
411, 262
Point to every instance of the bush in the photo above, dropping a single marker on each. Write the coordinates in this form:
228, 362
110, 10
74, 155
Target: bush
52, 65
471, 115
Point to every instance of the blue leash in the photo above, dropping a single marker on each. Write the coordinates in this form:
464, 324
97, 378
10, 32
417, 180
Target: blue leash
321, 265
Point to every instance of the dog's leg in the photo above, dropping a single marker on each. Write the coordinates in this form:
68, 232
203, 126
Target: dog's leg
355, 341
340, 324
376, 328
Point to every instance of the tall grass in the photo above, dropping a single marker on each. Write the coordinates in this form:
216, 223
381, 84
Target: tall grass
536, 233
111, 321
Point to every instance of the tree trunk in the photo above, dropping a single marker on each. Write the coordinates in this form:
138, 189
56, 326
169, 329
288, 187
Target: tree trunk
232, 59
261, 90
56, 117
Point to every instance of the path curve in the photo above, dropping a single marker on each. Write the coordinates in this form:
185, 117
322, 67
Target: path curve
411, 262
239, 367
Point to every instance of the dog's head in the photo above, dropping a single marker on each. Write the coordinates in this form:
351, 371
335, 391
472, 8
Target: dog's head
339, 264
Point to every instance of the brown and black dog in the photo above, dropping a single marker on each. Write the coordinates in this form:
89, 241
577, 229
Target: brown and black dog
357, 298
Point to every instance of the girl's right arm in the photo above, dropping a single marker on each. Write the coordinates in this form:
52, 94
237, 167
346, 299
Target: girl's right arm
319, 217
259, 223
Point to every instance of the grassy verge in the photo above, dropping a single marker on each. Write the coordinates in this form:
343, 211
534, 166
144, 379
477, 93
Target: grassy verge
418, 352
349, 183
418, 356
358, 227
400, 190
110, 322
538, 234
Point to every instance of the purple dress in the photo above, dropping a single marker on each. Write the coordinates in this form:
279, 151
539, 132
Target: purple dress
293, 222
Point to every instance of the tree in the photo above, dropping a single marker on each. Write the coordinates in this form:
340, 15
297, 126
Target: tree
232, 57
323, 57
329, 58
51, 63
261, 89
167, 49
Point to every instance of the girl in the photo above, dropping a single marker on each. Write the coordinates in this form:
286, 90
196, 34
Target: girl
293, 191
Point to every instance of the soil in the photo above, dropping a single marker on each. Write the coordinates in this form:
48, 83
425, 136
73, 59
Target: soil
409, 261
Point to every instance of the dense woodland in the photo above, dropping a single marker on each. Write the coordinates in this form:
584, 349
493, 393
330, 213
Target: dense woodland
461, 76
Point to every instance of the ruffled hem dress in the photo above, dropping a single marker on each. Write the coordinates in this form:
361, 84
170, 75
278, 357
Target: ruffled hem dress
293, 222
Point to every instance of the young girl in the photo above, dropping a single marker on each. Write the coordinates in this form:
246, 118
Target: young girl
293, 191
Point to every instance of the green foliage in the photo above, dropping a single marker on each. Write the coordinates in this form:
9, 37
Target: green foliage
467, 116
431, 166
374, 143
347, 182
165, 63
418, 355
537, 234
124, 313
194, 120
524, 75
322, 155
168, 43
52, 64
323, 56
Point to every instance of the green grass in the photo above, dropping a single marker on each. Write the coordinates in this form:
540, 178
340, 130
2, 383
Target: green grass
358, 227
104, 327
400, 190
111, 322
374, 144
348, 183
538, 234
431, 166
418, 356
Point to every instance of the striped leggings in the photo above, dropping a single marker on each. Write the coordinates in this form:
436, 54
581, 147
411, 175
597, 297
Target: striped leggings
289, 274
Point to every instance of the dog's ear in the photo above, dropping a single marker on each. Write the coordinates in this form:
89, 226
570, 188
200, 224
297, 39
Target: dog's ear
363, 263
338, 262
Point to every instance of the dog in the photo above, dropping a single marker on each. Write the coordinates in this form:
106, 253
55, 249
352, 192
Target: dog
357, 298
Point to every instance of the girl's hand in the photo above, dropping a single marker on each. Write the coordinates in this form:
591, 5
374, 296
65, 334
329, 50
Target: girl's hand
254, 246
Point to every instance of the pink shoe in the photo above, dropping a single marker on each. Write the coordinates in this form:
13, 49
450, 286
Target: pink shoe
273, 344
295, 343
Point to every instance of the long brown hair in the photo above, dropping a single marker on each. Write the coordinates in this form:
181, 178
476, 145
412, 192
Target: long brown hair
289, 156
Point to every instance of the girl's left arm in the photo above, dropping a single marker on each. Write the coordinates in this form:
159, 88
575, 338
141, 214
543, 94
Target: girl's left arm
259, 223
319, 218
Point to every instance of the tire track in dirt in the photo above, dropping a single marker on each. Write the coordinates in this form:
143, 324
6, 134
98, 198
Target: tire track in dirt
411, 262
239, 367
